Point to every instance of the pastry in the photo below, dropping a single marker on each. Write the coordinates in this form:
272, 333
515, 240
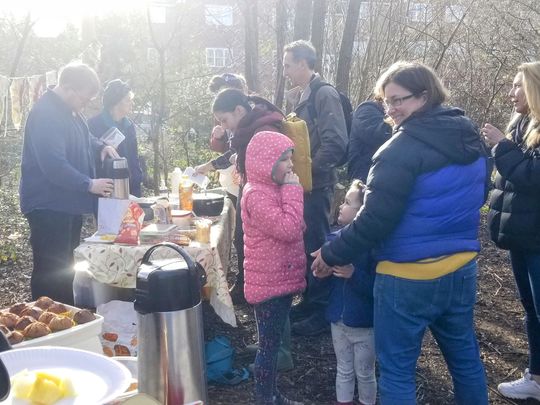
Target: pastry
83, 316
46, 317
35, 330
15, 337
121, 350
23, 322
18, 308
57, 308
44, 302
8, 319
34, 312
60, 323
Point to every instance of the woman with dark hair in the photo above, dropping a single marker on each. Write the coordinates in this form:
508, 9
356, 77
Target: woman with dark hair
421, 216
117, 105
514, 215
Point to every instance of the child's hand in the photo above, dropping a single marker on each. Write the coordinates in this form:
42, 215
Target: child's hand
291, 178
319, 268
343, 271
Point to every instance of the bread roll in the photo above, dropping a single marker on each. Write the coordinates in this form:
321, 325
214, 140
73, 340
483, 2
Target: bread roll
44, 302
46, 317
8, 319
60, 323
83, 316
34, 312
18, 308
15, 337
23, 322
35, 330
57, 308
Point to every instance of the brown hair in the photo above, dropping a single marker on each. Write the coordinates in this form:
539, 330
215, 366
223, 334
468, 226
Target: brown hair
302, 49
79, 76
416, 77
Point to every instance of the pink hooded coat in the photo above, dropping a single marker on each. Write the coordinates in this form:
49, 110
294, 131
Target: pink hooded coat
273, 223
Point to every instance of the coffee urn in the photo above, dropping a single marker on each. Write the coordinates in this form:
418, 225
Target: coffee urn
117, 169
171, 363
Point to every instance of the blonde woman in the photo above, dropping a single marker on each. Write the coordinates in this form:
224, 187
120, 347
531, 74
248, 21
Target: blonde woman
514, 216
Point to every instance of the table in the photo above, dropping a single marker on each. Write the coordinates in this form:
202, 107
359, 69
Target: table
117, 265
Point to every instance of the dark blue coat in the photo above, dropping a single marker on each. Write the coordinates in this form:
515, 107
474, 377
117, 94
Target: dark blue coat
424, 192
100, 124
58, 159
351, 300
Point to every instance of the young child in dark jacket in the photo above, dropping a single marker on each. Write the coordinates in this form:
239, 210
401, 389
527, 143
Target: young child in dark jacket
350, 312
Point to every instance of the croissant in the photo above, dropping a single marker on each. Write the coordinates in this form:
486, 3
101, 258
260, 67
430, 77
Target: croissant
8, 319
18, 308
23, 322
34, 312
46, 317
60, 323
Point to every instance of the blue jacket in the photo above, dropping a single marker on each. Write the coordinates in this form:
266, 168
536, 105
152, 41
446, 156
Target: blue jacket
424, 192
100, 124
351, 300
57, 159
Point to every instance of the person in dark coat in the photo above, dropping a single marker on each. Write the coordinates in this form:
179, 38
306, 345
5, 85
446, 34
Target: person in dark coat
369, 132
117, 104
58, 179
421, 215
514, 215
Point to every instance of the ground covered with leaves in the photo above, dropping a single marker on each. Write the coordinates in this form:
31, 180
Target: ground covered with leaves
499, 323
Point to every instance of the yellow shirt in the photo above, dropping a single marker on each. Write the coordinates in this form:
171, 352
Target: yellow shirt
426, 269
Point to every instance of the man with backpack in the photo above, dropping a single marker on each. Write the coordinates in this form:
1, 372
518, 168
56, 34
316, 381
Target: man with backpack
320, 105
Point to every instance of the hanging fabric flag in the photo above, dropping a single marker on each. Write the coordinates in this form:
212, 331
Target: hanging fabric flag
36, 87
4, 86
51, 78
17, 91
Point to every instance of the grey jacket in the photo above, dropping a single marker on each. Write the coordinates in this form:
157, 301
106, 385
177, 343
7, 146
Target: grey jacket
327, 133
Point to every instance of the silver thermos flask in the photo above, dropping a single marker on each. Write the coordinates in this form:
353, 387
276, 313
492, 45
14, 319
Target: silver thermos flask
171, 362
117, 170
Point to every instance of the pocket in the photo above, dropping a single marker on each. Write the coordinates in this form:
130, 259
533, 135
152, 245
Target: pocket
415, 297
468, 288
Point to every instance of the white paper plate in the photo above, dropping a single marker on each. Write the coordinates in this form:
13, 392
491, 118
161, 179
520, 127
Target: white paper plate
97, 379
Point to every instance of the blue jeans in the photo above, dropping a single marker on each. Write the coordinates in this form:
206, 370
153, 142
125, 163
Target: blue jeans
271, 317
526, 268
404, 308
317, 206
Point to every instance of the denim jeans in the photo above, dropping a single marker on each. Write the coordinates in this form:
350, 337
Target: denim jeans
404, 308
271, 317
317, 206
53, 237
526, 268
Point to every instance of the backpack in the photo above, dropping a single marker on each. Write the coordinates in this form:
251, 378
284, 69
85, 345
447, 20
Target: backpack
296, 130
346, 106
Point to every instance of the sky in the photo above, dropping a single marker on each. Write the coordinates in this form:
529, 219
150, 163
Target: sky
51, 16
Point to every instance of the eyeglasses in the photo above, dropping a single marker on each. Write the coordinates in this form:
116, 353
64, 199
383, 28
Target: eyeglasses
396, 102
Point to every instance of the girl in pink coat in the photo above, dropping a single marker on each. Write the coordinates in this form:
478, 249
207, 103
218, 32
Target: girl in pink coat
272, 214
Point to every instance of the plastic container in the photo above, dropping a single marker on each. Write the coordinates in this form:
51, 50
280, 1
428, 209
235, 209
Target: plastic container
176, 178
85, 336
185, 192
182, 218
156, 233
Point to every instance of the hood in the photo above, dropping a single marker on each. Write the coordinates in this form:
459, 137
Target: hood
448, 131
262, 154
259, 117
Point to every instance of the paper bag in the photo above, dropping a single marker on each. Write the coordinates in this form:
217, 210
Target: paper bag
111, 211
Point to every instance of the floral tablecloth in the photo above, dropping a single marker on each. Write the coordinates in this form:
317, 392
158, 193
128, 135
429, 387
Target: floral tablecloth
117, 265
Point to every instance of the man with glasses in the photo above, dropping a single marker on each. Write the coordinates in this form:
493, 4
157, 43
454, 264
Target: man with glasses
57, 179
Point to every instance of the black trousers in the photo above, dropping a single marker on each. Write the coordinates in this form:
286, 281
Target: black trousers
53, 237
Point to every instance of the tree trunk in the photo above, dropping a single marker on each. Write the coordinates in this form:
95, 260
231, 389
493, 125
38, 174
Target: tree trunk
317, 30
252, 45
346, 48
281, 29
302, 19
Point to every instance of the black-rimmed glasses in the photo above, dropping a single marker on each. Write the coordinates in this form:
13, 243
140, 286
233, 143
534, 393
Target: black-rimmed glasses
396, 102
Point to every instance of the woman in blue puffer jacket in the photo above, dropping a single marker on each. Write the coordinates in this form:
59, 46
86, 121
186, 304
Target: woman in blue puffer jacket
421, 216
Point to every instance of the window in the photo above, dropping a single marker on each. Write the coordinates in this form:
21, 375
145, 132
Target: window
453, 13
218, 57
218, 15
417, 12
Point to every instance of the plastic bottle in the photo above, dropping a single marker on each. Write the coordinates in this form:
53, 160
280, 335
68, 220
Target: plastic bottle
176, 178
185, 192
